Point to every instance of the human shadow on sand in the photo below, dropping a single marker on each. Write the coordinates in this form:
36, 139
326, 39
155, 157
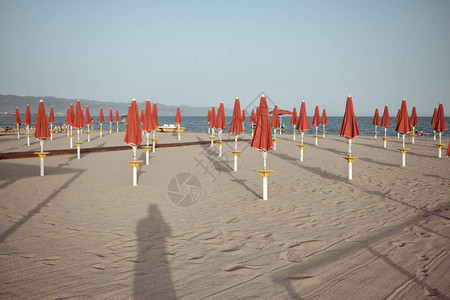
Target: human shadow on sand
152, 278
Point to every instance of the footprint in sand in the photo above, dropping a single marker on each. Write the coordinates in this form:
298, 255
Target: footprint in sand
398, 244
98, 267
234, 267
291, 256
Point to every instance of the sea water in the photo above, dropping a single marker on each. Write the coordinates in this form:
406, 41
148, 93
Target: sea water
199, 124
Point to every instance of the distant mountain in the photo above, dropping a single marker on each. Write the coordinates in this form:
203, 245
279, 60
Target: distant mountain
8, 104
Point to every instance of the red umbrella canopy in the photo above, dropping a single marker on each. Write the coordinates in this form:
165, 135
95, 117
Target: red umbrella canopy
17, 116
257, 115
236, 120
413, 121
126, 120
262, 138
376, 118
440, 125
178, 116
42, 132
133, 136
147, 126
213, 118
78, 123
243, 115
349, 127
101, 118
72, 115
208, 116
316, 118
303, 123
51, 116
27, 120
282, 112
252, 117
324, 119
117, 118
275, 118
220, 119
397, 118
155, 115
403, 125
141, 119
87, 118
433, 120
294, 117
448, 150
67, 120
110, 117
385, 121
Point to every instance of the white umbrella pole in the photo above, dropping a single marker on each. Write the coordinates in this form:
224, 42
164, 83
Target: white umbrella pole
42, 145
350, 147
316, 136
350, 171
265, 159
293, 135
110, 127
117, 128
220, 149
134, 152
71, 129
101, 129
302, 138
385, 132
274, 133
51, 132
135, 176
147, 157
28, 135
235, 163
148, 136
264, 188
440, 137
18, 133
78, 135
68, 129
403, 159
71, 141
403, 141
78, 151
301, 154
323, 133
235, 142
375, 135
434, 134
398, 135
89, 134
384, 140
209, 129
42, 158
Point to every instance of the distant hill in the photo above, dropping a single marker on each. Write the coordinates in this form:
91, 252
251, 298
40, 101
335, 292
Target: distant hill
8, 104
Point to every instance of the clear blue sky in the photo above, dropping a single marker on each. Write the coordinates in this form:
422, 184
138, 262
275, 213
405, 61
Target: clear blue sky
204, 52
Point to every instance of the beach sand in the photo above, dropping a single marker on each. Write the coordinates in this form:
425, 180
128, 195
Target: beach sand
84, 232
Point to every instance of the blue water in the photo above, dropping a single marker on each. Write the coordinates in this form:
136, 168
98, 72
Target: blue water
198, 124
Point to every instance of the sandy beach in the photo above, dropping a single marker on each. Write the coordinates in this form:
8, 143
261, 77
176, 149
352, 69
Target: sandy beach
84, 232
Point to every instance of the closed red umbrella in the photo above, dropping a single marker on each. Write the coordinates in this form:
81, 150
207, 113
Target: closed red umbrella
303, 123
141, 119
275, 120
433, 121
147, 125
316, 122
178, 116
262, 139
117, 118
101, 120
67, 119
257, 115
88, 121
252, 117
78, 122
324, 121
440, 125
71, 116
413, 121
27, 120
220, 118
376, 121
51, 117
236, 122
349, 127
17, 121
385, 120
385, 123
243, 116
213, 118
293, 120
155, 115
403, 125
133, 136
42, 132
448, 150
111, 120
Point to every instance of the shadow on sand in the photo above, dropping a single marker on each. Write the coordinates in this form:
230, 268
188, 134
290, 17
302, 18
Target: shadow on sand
152, 278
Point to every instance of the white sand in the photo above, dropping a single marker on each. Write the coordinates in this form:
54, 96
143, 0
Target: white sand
83, 232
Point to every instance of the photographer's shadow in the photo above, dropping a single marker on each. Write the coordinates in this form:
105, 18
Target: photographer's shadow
152, 278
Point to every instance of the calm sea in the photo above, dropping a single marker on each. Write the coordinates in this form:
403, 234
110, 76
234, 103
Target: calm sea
198, 124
